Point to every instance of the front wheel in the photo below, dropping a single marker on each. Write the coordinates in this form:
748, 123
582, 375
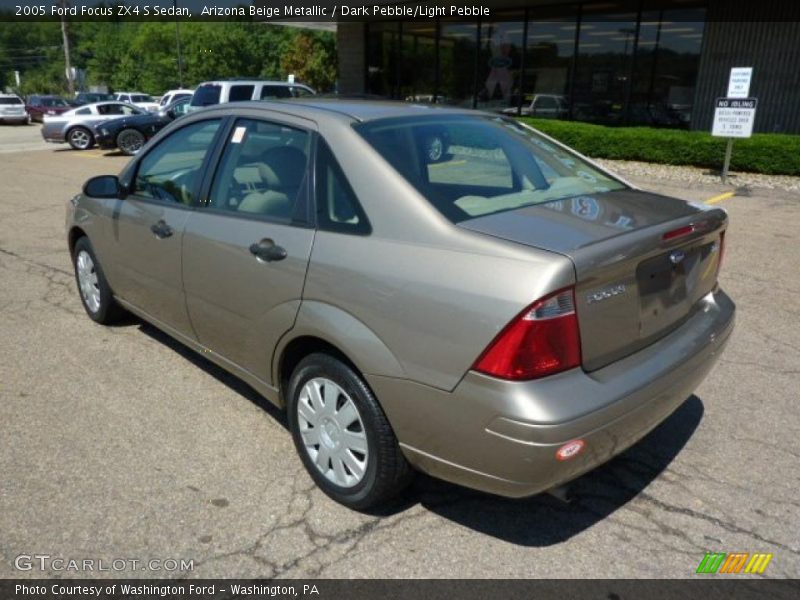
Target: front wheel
130, 141
342, 435
80, 138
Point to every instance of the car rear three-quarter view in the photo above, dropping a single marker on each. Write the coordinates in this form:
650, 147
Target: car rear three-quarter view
430, 289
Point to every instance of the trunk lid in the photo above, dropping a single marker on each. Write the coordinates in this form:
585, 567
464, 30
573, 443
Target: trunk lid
633, 285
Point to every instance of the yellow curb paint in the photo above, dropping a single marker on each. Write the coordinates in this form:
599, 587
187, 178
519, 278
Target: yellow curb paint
720, 197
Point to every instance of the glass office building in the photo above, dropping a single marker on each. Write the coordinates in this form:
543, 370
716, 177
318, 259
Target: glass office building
656, 63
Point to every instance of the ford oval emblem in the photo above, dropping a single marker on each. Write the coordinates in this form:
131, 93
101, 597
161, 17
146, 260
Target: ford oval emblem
677, 256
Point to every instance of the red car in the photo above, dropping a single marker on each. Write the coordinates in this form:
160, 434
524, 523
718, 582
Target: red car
38, 106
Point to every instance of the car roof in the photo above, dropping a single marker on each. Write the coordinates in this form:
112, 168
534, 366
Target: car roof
252, 81
360, 110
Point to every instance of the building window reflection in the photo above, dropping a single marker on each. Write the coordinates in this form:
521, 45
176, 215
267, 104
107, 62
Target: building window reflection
500, 59
664, 78
549, 66
457, 48
617, 62
418, 71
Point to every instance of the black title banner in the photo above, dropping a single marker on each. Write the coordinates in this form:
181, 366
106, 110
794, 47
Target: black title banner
244, 10
335, 10
715, 588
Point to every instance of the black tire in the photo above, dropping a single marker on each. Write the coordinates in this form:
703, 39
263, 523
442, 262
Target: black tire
130, 141
387, 471
107, 310
80, 138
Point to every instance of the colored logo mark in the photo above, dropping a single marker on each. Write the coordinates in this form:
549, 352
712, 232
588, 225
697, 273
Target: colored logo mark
735, 562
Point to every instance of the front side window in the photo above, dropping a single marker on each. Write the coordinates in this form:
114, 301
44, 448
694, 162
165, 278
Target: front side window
300, 92
117, 109
240, 93
262, 170
469, 166
171, 171
275, 91
338, 208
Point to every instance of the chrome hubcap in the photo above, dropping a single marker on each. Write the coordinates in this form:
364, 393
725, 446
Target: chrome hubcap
130, 142
80, 139
333, 432
435, 149
87, 280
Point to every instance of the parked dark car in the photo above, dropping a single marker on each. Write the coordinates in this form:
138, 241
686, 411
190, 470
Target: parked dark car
131, 132
91, 97
39, 106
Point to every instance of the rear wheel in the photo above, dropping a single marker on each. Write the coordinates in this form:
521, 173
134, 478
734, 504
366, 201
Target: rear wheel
96, 295
130, 141
342, 435
80, 138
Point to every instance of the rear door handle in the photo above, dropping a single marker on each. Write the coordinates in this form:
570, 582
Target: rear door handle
267, 250
161, 229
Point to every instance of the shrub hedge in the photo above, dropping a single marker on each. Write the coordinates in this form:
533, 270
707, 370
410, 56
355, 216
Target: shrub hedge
770, 153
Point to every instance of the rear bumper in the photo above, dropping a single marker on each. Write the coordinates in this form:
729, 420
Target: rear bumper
14, 118
502, 437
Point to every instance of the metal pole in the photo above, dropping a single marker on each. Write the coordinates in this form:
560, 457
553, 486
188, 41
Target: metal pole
727, 163
67, 62
178, 44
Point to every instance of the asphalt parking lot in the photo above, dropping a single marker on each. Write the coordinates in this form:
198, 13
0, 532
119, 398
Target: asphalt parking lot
121, 443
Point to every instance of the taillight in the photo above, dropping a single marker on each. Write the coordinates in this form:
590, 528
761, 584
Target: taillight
540, 341
721, 252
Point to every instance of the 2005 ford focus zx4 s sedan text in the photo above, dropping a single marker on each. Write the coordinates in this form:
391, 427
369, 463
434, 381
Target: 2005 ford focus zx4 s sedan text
420, 288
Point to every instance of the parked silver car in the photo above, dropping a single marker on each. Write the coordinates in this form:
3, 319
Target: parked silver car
505, 318
75, 126
12, 110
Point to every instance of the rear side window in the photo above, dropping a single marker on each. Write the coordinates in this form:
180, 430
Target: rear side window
84, 111
240, 93
262, 170
206, 95
338, 208
170, 171
275, 91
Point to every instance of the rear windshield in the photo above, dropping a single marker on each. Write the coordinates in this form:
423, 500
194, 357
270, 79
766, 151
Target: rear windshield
206, 95
469, 166
53, 102
12, 100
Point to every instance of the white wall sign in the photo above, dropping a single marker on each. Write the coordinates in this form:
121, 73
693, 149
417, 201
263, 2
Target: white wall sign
739, 82
734, 117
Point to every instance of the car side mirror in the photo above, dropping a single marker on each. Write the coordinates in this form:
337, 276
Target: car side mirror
104, 186
171, 114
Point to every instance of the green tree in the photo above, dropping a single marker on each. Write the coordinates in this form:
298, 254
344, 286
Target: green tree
311, 57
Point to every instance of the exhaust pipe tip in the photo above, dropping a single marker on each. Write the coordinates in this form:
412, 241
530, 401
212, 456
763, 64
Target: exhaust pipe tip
562, 493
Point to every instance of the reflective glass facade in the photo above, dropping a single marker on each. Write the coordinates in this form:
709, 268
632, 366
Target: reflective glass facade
623, 62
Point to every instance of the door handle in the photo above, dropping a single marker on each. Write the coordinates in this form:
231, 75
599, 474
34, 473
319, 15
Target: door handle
161, 229
267, 250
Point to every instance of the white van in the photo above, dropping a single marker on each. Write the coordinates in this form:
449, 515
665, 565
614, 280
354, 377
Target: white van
238, 90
